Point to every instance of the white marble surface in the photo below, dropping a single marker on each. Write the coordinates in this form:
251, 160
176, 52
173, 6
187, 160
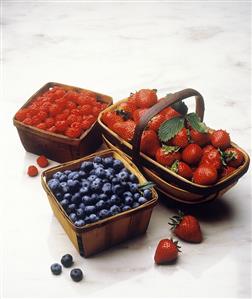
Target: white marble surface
116, 48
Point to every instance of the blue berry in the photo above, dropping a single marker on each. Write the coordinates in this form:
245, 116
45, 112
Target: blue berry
127, 194
142, 200
84, 190
53, 184
71, 208
87, 200
63, 178
57, 175
66, 172
90, 210
103, 197
64, 203
82, 174
97, 159
115, 181
82, 206
76, 274
59, 196
100, 172
107, 188
73, 217
126, 208
93, 218
137, 196
115, 210
67, 260
85, 183
133, 178
73, 185
135, 205
96, 185
128, 200
147, 194
117, 165
100, 204
80, 213
86, 166
79, 223
108, 161
72, 175
67, 196
94, 198
133, 188
87, 220
76, 198
56, 269
104, 213
64, 187
118, 189
123, 176
92, 177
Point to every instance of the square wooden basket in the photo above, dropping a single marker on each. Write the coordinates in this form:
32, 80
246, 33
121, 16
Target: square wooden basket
58, 147
95, 237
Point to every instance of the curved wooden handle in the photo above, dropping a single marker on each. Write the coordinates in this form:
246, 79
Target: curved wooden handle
154, 110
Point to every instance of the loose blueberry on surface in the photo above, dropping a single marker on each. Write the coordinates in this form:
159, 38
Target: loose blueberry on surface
76, 274
93, 218
67, 260
80, 213
57, 175
147, 194
126, 208
73, 217
135, 205
87, 166
117, 165
53, 184
90, 210
115, 210
79, 223
142, 200
56, 269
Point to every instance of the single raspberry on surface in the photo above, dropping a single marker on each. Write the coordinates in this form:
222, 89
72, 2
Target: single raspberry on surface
32, 171
42, 161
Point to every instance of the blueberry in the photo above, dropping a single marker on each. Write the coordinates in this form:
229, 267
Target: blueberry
73, 185
136, 196
76, 198
57, 175
86, 166
66, 172
73, 217
80, 213
59, 196
115, 198
128, 200
67, 260
96, 185
103, 197
84, 190
104, 181
64, 203
63, 178
127, 194
93, 218
82, 206
87, 220
147, 194
71, 208
72, 175
100, 172
56, 269
76, 274
126, 208
133, 188
64, 187
108, 161
94, 198
110, 173
115, 181
107, 188
104, 213
135, 205
97, 165
92, 177
123, 176
53, 184
115, 210
126, 170
118, 189
79, 223
133, 178
100, 204
82, 174
142, 200
97, 159
90, 210
117, 165
92, 172
85, 183
87, 200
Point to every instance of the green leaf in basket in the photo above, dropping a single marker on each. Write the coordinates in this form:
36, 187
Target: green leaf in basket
170, 128
174, 166
195, 122
146, 185
170, 148
180, 107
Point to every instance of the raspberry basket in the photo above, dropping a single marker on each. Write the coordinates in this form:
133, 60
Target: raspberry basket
168, 182
95, 237
58, 147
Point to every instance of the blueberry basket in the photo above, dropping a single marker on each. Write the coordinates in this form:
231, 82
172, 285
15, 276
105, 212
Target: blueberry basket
91, 238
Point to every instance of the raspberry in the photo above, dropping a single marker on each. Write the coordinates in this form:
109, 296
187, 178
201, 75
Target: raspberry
86, 109
42, 161
70, 105
73, 132
49, 122
41, 126
21, 114
61, 125
27, 121
32, 170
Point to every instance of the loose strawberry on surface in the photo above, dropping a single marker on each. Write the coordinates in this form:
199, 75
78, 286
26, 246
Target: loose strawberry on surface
166, 251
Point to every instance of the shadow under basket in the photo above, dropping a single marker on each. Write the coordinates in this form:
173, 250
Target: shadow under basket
169, 183
96, 237
58, 147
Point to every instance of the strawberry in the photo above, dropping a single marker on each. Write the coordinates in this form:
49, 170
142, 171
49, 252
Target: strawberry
32, 170
186, 227
128, 107
42, 161
149, 142
110, 118
166, 251
145, 98
233, 157
213, 158
192, 154
182, 169
166, 155
226, 171
169, 113
181, 139
156, 122
125, 129
205, 175
207, 148
220, 139
200, 138
138, 114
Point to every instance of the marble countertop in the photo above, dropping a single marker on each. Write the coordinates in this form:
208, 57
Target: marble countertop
116, 48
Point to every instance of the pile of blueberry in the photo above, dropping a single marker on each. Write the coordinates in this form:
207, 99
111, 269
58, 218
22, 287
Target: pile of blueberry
98, 189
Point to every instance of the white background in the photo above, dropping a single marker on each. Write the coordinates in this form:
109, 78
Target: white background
116, 48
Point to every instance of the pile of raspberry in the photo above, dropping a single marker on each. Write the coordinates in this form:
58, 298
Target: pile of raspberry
62, 111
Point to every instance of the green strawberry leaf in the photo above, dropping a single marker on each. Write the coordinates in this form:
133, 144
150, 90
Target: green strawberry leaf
180, 107
170, 149
226, 156
170, 128
195, 122
174, 166
146, 185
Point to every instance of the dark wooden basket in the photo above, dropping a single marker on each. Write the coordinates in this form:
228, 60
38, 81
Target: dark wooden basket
168, 182
95, 237
58, 147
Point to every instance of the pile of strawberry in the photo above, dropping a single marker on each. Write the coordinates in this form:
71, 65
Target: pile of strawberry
176, 139
62, 111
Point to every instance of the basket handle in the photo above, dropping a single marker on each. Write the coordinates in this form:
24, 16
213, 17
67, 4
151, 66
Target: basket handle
169, 100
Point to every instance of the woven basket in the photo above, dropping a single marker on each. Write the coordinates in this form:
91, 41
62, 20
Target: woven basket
168, 182
58, 147
96, 237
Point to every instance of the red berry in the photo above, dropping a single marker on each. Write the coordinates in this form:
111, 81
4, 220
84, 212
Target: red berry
213, 158
149, 142
192, 154
226, 171
86, 109
61, 125
205, 175
166, 251
41, 126
234, 157
138, 114
207, 149
200, 138
73, 132
145, 98
156, 122
165, 157
220, 139
181, 139
42, 161
182, 169
32, 171
21, 114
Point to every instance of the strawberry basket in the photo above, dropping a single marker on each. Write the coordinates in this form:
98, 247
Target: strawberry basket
52, 144
168, 182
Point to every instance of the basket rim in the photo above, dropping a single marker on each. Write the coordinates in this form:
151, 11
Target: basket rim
127, 163
60, 137
244, 166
